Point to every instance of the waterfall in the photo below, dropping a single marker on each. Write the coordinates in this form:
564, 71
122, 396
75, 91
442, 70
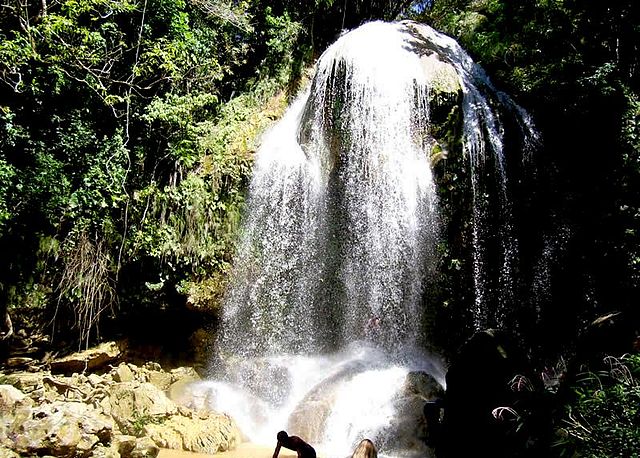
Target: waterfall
323, 323
342, 210
483, 106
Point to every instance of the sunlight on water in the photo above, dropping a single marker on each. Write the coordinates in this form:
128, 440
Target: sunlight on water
363, 408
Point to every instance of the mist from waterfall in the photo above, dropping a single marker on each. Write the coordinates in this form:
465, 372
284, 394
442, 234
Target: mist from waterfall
324, 320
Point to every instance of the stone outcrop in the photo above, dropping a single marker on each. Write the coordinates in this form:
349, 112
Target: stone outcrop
132, 402
411, 428
122, 413
207, 433
88, 360
8, 453
61, 429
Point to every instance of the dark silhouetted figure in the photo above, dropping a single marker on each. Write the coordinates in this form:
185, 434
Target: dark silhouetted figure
294, 443
432, 413
477, 383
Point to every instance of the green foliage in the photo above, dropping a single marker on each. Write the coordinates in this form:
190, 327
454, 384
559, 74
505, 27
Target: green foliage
574, 66
6, 380
630, 207
100, 189
177, 116
192, 220
127, 130
604, 418
139, 420
536, 44
7, 174
205, 293
281, 36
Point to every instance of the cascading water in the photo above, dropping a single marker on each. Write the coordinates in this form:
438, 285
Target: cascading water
484, 139
323, 323
342, 216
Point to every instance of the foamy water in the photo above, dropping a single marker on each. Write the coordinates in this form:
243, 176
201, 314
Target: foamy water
341, 398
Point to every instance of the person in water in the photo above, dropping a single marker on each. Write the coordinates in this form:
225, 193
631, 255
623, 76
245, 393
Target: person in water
365, 449
294, 443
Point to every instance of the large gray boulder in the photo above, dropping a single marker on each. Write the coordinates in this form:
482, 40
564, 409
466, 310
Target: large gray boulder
409, 426
64, 429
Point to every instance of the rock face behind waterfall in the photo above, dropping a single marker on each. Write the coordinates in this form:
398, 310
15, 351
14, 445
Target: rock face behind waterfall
444, 99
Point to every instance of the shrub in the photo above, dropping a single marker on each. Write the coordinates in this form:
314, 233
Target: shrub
604, 418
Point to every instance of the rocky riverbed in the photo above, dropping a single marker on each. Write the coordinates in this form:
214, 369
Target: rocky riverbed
93, 404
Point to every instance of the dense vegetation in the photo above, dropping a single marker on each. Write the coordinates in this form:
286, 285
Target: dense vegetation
127, 129
574, 66
603, 418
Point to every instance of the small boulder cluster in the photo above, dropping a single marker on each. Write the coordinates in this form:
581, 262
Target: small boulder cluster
125, 411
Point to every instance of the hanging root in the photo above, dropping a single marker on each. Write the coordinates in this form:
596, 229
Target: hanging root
86, 284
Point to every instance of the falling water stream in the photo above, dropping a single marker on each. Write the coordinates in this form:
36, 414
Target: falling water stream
323, 322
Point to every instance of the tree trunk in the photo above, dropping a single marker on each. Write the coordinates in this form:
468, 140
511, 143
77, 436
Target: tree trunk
7, 327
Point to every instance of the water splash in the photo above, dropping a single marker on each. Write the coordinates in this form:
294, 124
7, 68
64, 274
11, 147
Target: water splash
333, 401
